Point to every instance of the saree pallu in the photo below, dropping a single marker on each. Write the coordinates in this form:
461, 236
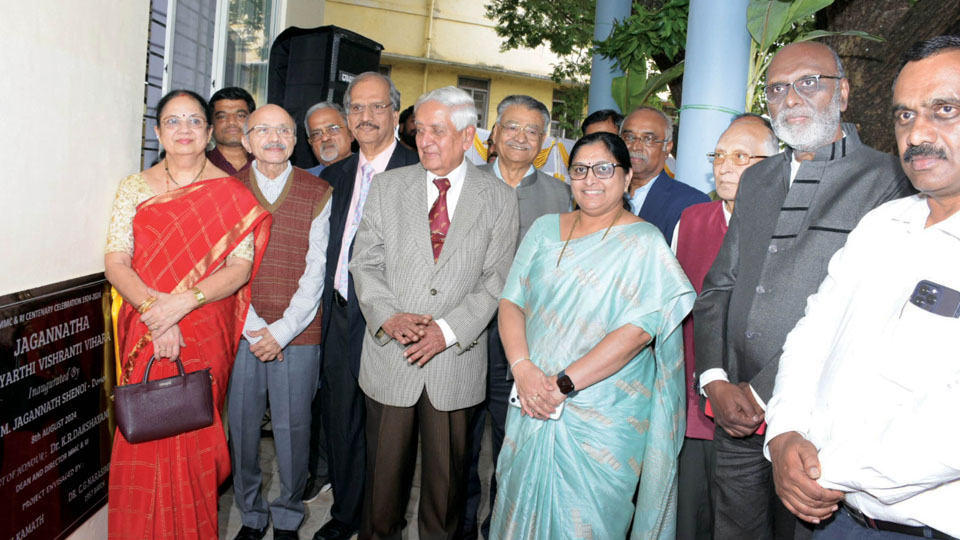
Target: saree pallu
168, 488
575, 477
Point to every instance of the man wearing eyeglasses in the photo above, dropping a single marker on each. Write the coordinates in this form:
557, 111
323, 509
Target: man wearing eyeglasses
522, 124
278, 358
793, 211
654, 195
328, 135
372, 104
231, 106
700, 231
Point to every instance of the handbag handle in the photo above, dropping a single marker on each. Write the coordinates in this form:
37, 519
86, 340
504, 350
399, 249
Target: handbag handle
146, 373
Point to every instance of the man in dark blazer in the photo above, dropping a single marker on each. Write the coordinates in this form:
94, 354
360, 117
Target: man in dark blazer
654, 196
372, 104
793, 211
522, 124
432, 253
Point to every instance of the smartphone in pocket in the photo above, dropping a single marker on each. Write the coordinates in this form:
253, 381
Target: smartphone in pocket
936, 298
514, 400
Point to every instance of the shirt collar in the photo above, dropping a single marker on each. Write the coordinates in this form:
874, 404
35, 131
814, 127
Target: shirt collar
381, 161
455, 176
496, 170
914, 217
262, 178
646, 187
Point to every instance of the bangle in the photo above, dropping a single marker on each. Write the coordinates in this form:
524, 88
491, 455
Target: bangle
198, 294
146, 304
518, 360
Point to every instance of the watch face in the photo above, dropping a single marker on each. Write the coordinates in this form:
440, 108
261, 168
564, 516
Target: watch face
565, 384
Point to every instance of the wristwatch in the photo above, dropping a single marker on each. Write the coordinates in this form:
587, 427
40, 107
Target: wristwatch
565, 384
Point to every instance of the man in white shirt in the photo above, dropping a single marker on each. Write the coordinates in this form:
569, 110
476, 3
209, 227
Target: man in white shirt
861, 415
431, 256
279, 355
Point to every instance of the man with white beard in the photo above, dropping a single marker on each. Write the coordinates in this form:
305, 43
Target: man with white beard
328, 135
793, 212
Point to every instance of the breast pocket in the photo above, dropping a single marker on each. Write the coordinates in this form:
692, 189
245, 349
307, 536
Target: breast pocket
923, 350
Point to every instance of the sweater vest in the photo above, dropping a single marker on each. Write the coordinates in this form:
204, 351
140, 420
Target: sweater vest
302, 199
702, 228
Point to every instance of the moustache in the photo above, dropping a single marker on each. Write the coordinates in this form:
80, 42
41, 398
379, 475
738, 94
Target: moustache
271, 146
924, 150
369, 124
639, 155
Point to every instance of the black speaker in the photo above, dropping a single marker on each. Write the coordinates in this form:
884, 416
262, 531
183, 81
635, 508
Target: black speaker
310, 65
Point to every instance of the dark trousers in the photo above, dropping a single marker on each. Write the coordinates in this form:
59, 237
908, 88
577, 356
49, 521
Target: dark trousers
317, 462
498, 392
745, 504
694, 508
391, 460
344, 414
842, 527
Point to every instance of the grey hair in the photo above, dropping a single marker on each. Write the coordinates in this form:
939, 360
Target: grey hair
771, 144
463, 111
394, 93
668, 123
528, 103
836, 58
322, 105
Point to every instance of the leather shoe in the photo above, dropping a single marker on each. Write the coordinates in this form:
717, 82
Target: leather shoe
284, 534
249, 533
335, 530
315, 486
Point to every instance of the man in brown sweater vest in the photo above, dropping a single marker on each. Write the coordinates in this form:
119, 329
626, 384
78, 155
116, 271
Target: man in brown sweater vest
279, 352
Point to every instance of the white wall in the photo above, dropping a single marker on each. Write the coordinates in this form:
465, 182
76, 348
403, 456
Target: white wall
72, 103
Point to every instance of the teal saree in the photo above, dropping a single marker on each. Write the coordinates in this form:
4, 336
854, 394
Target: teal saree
575, 477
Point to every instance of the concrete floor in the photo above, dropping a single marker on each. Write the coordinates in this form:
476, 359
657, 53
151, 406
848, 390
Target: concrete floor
318, 512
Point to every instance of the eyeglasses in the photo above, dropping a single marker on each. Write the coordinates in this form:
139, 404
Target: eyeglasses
647, 139
375, 108
513, 129
602, 171
738, 158
262, 131
332, 130
805, 87
190, 122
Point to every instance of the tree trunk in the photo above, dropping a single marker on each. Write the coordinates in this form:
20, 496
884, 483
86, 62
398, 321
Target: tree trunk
871, 66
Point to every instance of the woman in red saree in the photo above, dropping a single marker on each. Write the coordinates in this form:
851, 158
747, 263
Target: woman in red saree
185, 241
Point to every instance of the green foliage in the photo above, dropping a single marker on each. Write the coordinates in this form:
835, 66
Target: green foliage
635, 42
775, 23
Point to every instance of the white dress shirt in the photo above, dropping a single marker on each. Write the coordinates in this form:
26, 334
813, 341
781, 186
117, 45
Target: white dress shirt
872, 380
379, 164
305, 302
456, 178
720, 374
639, 195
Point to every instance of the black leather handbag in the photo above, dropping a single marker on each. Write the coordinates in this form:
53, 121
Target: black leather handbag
151, 410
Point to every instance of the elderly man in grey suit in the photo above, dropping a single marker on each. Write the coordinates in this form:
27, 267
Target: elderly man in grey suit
793, 211
522, 124
432, 252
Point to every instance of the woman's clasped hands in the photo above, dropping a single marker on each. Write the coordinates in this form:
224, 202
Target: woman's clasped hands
538, 393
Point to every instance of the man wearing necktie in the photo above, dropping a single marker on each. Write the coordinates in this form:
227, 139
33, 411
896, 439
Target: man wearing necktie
432, 252
371, 103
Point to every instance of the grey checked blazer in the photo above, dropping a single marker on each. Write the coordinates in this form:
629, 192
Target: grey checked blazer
394, 272
777, 248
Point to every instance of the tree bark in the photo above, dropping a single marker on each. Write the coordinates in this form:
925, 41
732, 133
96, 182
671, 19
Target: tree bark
871, 66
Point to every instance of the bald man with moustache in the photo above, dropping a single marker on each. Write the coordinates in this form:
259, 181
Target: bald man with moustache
793, 212
696, 241
279, 355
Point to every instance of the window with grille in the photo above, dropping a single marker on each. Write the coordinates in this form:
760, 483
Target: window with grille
479, 90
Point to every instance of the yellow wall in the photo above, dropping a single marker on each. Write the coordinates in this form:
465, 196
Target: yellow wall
303, 13
408, 77
461, 34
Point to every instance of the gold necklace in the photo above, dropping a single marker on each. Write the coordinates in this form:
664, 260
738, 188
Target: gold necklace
170, 177
577, 221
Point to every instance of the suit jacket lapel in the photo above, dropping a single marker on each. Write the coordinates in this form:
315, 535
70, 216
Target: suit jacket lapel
414, 205
467, 210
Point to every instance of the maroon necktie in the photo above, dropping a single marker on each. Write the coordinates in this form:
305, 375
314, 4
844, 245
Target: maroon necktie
439, 219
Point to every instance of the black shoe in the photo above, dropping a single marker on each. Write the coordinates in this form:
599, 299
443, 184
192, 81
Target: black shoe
249, 533
335, 530
315, 486
283, 534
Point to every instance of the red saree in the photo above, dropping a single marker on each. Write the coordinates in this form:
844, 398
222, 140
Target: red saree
168, 488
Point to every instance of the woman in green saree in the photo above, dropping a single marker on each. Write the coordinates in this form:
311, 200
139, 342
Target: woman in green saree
590, 319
